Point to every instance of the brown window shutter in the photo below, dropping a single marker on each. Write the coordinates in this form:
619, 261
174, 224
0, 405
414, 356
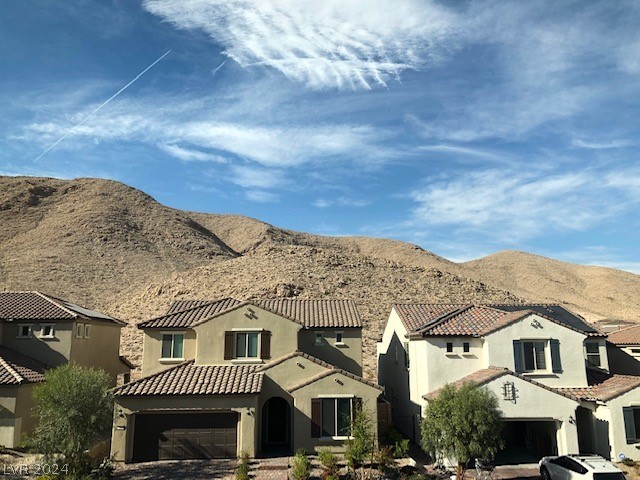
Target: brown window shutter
228, 346
265, 348
316, 417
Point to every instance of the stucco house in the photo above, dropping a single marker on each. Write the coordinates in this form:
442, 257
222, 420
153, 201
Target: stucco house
37, 332
547, 366
260, 376
623, 347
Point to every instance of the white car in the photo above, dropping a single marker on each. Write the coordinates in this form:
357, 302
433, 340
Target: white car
579, 467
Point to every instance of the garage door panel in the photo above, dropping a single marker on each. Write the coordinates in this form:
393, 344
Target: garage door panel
185, 436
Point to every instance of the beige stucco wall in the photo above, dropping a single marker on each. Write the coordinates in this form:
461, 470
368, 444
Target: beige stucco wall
16, 418
210, 335
152, 350
348, 355
100, 350
122, 440
499, 350
331, 386
611, 413
52, 351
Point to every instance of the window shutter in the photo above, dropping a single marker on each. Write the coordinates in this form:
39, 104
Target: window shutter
629, 425
228, 346
316, 417
556, 364
265, 347
517, 355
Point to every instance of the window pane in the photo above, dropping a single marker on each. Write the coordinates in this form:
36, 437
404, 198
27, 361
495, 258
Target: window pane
529, 363
636, 420
177, 346
241, 345
344, 416
253, 345
541, 361
593, 348
328, 417
166, 346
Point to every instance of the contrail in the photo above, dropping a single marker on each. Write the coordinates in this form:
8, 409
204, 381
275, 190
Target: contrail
102, 105
219, 67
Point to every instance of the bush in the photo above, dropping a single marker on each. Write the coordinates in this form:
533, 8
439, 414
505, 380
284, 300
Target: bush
242, 471
384, 458
399, 444
628, 462
362, 440
244, 457
301, 468
104, 471
329, 464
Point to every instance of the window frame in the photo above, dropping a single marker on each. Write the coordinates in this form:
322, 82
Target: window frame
588, 355
21, 326
79, 330
335, 399
87, 330
546, 353
449, 347
466, 347
318, 338
172, 358
635, 409
53, 330
339, 337
258, 345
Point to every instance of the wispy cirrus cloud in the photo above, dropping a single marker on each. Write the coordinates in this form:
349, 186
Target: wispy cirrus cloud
190, 155
519, 204
341, 202
329, 44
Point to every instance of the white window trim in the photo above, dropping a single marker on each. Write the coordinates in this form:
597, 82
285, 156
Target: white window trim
81, 327
337, 437
341, 342
547, 357
87, 330
247, 359
172, 359
53, 330
587, 354
20, 325
316, 336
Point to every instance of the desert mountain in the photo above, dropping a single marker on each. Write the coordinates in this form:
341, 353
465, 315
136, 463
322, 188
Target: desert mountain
111, 247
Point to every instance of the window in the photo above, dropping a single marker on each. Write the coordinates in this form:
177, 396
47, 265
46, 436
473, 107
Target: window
631, 423
318, 338
24, 331
87, 331
635, 350
47, 331
172, 345
247, 344
449, 347
534, 356
466, 348
509, 391
79, 330
336, 417
406, 355
593, 353
339, 338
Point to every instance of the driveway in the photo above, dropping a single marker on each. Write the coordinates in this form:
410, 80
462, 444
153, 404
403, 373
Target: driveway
175, 469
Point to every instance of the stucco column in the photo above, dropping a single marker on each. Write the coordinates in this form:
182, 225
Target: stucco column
248, 431
568, 436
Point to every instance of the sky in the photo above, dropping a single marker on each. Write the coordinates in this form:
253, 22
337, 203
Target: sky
465, 127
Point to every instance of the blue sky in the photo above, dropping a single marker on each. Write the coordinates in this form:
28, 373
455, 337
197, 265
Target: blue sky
465, 127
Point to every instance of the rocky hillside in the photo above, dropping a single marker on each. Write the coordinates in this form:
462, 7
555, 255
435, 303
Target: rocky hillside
114, 248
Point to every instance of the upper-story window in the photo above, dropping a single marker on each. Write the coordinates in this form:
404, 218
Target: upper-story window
339, 338
87, 330
79, 330
247, 344
533, 355
47, 330
24, 330
172, 345
449, 347
318, 338
593, 353
466, 347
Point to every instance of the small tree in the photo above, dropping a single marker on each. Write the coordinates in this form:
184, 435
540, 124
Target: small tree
73, 409
462, 423
362, 441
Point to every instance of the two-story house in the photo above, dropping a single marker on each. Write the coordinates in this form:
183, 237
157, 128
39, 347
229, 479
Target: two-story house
260, 376
548, 367
38, 332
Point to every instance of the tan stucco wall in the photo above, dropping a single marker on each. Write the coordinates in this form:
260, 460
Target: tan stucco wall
100, 350
152, 350
499, 350
122, 440
210, 335
328, 387
7, 415
16, 418
347, 356
54, 351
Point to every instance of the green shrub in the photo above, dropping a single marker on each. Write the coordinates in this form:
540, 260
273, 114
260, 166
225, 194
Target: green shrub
244, 456
329, 464
301, 468
362, 440
242, 471
401, 448
384, 458
628, 462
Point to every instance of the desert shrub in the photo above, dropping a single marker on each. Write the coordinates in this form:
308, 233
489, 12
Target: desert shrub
301, 468
384, 458
399, 444
362, 440
329, 463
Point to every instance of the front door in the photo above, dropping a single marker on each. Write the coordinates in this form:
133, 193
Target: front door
276, 423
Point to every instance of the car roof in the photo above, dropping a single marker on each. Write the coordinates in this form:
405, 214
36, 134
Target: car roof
595, 463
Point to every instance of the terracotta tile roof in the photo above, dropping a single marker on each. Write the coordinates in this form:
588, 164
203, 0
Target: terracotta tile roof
604, 386
626, 336
190, 379
179, 305
486, 375
475, 320
330, 370
194, 313
309, 313
39, 306
16, 368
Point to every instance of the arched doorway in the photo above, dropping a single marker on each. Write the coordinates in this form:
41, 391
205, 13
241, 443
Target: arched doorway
276, 426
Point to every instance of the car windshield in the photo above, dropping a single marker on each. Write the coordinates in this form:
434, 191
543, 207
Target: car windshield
608, 476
